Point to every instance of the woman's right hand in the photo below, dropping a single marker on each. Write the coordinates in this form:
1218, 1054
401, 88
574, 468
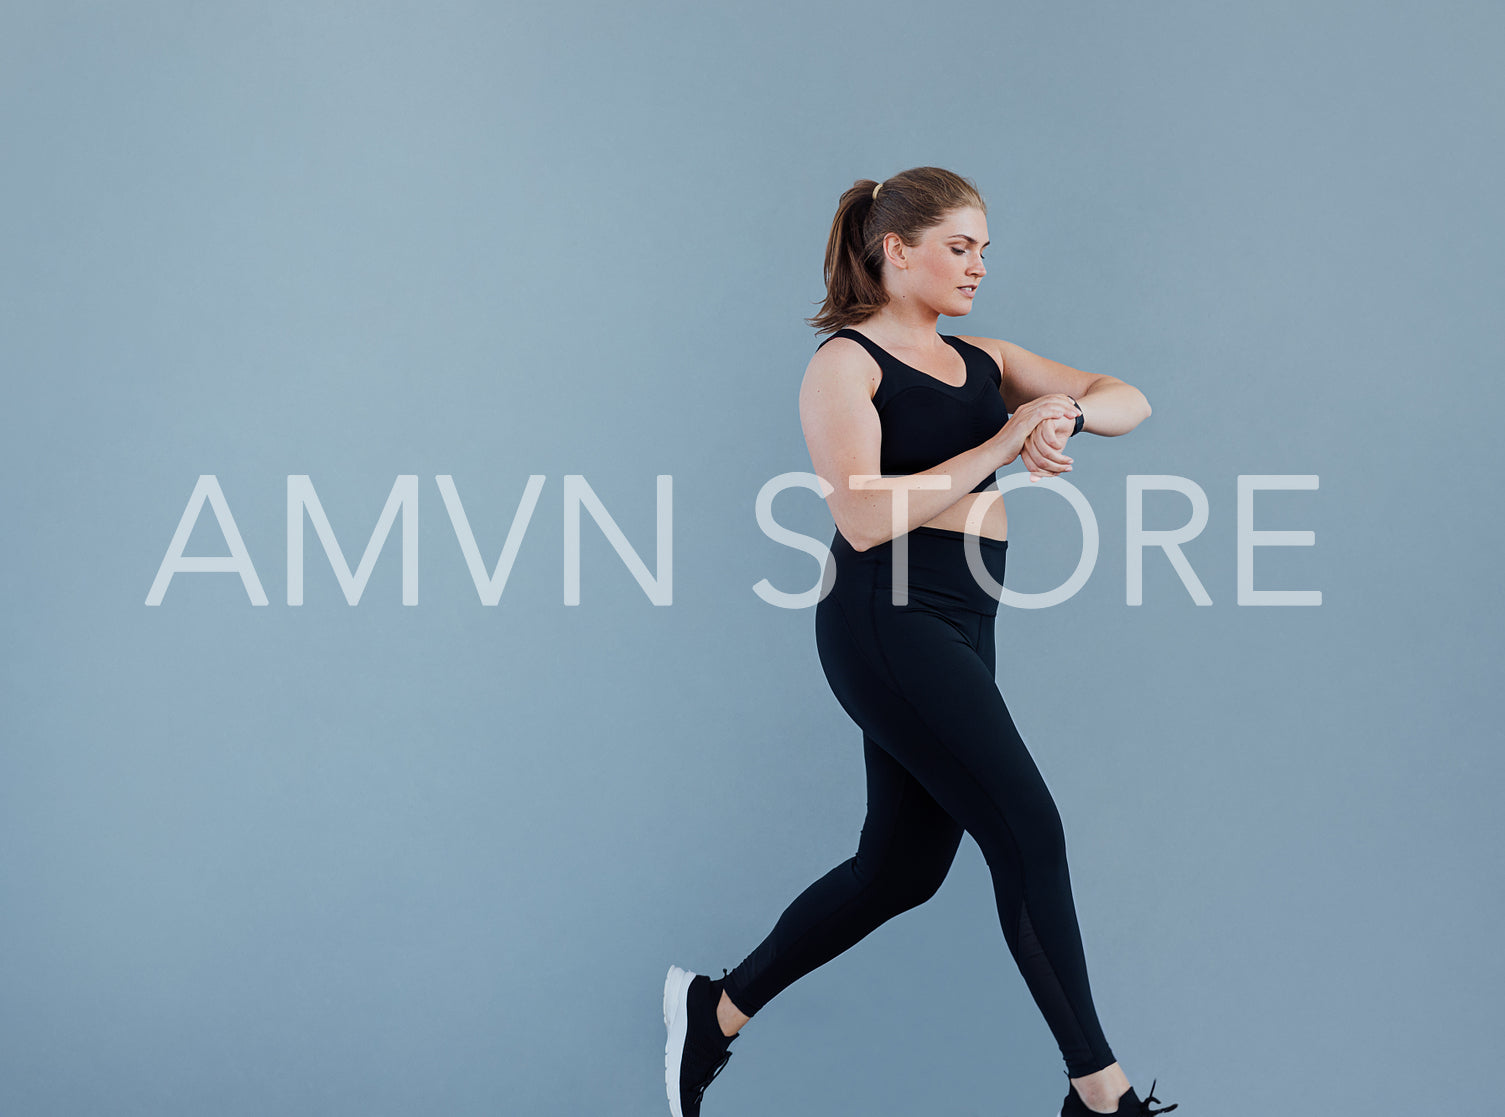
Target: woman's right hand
1009, 440
1044, 453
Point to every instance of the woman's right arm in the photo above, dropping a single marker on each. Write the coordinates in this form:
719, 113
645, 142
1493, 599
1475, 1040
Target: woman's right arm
844, 436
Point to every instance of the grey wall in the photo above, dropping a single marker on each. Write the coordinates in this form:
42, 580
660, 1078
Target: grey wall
391, 859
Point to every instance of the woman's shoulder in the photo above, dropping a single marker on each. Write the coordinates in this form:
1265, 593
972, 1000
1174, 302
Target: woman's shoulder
843, 342
840, 359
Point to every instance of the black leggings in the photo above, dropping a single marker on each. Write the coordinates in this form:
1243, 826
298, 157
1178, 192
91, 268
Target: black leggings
942, 756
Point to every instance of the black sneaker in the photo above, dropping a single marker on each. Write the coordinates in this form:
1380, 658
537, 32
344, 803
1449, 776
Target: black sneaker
696, 1049
1129, 1104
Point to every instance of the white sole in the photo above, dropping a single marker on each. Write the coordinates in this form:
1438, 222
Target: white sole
676, 1018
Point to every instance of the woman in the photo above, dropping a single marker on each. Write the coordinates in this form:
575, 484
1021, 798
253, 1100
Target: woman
908, 427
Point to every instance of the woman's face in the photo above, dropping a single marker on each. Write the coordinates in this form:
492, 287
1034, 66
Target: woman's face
944, 270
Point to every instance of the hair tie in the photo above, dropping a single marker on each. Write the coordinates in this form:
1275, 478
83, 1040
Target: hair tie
875, 191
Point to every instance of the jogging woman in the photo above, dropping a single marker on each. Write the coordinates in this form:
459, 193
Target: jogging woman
908, 427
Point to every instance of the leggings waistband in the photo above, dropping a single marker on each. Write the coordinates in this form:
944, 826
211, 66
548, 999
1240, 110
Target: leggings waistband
939, 573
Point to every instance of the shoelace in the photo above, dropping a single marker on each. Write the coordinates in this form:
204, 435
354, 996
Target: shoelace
714, 1071
1144, 1106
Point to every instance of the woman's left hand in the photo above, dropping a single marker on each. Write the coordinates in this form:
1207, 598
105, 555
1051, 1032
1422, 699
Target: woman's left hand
1044, 453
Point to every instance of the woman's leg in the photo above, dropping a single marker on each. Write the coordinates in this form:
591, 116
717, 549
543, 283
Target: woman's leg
906, 849
939, 713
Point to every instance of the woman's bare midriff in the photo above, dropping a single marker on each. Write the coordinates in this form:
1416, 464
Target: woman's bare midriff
995, 521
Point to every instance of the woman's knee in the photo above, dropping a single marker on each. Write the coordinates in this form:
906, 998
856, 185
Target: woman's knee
1031, 843
901, 883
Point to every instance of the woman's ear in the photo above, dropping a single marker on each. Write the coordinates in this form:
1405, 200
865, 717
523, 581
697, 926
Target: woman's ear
894, 249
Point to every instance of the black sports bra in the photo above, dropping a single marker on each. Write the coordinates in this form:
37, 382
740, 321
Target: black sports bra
925, 421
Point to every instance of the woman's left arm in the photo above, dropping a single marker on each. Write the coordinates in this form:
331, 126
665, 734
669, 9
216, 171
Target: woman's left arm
1109, 406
